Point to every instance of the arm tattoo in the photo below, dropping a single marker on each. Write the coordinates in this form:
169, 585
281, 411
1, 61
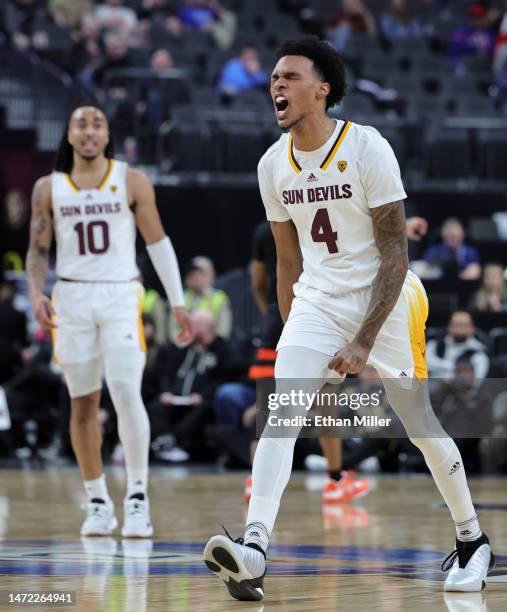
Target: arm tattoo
41, 224
389, 228
37, 259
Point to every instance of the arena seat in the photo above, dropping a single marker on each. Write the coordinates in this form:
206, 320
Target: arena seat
448, 153
498, 337
492, 153
194, 147
243, 147
482, 229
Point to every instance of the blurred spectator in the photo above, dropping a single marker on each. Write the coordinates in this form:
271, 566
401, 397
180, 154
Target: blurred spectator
463, 407
453, 256
183, 408
161, 60
151, 9
209, 16
69, 14
157, 309
13, 332
85, 53
234, 403
235, 411
492, 294
114, 16
494, 448
242, 73
500, 63
354, 18
116, 55
501, 45
475, 37
33, 395
155, 361
459, 343
201, 295
22, 19
399, 23
148, 105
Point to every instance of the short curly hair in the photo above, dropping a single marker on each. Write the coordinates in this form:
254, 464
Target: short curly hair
326, 61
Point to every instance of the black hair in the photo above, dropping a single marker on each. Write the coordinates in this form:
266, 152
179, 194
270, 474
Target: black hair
65, 155
327, 62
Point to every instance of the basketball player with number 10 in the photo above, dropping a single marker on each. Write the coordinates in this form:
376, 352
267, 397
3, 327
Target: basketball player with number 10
93, 203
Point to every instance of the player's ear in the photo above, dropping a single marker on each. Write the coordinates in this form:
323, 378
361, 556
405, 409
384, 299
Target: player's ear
323, 91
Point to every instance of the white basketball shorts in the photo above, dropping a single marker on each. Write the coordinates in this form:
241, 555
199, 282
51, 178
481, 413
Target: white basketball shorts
326, 323
93, 318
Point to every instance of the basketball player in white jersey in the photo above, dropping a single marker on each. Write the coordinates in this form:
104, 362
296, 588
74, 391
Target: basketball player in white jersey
93, 203
333, 194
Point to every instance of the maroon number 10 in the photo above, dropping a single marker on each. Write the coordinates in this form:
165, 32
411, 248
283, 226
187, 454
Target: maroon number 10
87, 239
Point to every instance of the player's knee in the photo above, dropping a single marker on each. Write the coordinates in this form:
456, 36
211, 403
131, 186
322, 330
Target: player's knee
434, 448
420, 443
84, 410
124, 394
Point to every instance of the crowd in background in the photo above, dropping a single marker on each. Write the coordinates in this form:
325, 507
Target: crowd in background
210, 46
201, 399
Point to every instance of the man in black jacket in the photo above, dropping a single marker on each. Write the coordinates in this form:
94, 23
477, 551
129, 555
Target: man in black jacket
189, 377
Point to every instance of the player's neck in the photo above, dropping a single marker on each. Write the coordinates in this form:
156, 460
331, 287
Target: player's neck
81, 166
313, 132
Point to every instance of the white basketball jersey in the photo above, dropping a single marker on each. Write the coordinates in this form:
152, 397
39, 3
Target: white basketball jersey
95, 229
328, 194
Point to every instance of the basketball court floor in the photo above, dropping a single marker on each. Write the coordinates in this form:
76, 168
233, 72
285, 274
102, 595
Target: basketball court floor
381, 553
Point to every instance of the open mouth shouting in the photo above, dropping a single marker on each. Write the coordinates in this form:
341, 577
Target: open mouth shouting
281, 107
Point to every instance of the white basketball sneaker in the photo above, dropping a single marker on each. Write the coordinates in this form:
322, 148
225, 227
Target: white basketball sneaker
100, 519
469, 564
241, 567
136, 520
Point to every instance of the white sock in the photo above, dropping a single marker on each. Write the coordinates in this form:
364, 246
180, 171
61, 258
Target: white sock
137, 482
258, 534
468, 531
97, 488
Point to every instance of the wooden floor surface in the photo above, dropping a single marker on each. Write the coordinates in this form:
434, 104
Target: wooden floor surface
381, 553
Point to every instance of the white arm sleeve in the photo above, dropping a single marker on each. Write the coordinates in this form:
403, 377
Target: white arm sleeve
275, 210
379, 171
165, 263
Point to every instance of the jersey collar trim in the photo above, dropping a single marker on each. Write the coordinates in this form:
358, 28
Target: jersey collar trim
102, 182
292, 160
332, 152
336, 145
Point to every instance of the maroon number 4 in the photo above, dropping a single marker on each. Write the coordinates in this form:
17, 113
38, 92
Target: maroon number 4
323, 232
